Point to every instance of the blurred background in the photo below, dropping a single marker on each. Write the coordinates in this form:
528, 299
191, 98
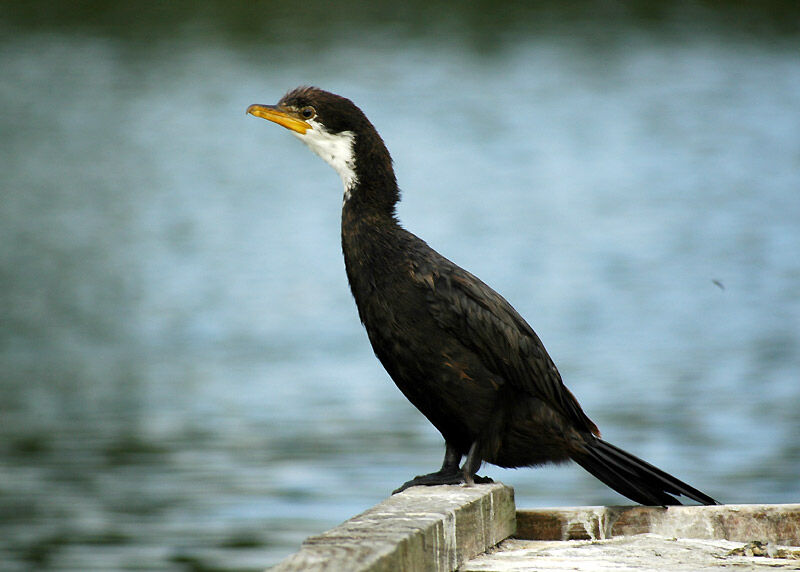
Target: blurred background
184, 383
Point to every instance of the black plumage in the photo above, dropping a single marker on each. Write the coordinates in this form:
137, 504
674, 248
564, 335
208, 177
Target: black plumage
455, 348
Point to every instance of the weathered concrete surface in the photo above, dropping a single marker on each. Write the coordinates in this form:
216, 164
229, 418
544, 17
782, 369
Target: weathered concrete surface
422, 528
637, 538
779, 524
643, 552
448, 528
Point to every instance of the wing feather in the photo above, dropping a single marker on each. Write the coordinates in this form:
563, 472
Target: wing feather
483, 321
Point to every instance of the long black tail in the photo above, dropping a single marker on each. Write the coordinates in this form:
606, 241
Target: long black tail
636, 479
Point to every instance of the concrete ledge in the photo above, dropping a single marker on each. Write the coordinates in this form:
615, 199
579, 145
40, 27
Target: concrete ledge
779, 524
638, 539
468, 528
422, 528
637, 553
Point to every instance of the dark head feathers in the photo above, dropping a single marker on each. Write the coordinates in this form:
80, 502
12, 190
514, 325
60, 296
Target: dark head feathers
335, 112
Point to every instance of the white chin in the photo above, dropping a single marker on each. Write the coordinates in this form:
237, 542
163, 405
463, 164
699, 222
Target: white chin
335, 148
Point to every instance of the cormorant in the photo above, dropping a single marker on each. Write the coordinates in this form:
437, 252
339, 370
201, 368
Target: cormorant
455, 348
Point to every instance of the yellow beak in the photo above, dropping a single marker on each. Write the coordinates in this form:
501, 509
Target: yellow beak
276, 115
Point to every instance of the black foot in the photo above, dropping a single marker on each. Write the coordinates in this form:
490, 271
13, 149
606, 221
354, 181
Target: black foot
441, 478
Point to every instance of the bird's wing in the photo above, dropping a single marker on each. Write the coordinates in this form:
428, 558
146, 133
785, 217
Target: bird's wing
488, 325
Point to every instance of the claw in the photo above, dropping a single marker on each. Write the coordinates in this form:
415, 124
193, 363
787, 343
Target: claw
450, 473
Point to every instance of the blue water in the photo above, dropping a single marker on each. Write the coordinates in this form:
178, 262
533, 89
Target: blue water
184, 381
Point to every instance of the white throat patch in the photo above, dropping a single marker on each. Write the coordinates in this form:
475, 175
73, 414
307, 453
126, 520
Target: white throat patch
335, 148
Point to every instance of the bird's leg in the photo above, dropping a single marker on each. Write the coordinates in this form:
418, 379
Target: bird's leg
471, 466
451, 459
449, 474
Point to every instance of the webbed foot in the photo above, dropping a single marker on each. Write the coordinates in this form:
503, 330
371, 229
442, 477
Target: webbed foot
442, 478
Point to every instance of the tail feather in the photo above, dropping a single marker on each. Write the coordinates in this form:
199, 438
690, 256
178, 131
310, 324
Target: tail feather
634, 478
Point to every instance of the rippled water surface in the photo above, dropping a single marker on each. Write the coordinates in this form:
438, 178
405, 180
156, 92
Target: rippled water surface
184, 383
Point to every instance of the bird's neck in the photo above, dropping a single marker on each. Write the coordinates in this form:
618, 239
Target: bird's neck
368, 212
371, 193
372, 190
371, 241
371, 234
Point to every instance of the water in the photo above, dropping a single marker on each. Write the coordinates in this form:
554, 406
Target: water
185, 384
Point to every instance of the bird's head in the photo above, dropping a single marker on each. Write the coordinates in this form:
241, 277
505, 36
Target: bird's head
339, 132
326, 122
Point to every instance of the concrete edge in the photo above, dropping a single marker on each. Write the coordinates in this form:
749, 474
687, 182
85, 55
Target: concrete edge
777, 523
423, 528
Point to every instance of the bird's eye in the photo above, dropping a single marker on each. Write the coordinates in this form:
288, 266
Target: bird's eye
308, 112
